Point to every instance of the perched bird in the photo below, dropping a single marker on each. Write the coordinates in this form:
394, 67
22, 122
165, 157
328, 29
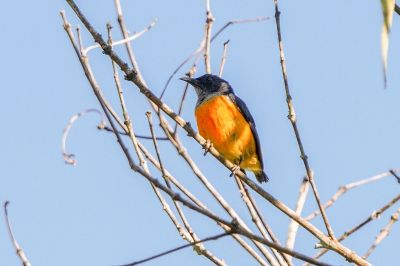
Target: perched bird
224, 120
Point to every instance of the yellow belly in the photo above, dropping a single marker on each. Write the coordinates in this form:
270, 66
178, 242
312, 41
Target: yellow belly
220, 121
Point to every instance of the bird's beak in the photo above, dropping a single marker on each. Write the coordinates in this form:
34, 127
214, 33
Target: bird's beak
191, 81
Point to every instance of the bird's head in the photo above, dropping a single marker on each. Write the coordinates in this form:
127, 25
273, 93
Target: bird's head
208, 85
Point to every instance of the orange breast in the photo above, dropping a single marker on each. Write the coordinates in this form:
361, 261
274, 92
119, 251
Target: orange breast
220, 121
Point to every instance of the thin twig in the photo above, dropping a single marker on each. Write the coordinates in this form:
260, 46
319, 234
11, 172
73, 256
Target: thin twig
256, 217
294, 226
234, 226
217, 196
131, 75
201, 48
383, 233
140, 78
80, 53
375, 215
198, 247
223, 59
20, 253
293, 120
162, 254
128, 45
190, 74
96, 89
187, 193
207, 37
126, 39
343, 189
189, 234
397, 9
393, 172
69, 158
108, 129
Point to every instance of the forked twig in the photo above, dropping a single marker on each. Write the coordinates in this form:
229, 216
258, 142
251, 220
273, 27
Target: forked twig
375, 215
343, 189
96, 89
20, 253
383, 233
69, 158
131, 75
223, 59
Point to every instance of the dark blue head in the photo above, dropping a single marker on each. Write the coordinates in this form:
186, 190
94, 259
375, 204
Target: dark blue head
209, 85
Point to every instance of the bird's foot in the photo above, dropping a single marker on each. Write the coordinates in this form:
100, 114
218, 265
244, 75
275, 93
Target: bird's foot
207, 146
235, 169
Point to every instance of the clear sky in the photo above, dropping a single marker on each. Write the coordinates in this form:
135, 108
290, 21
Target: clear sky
100, 213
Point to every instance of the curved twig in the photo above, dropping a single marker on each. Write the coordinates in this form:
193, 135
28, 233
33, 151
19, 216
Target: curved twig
69, 158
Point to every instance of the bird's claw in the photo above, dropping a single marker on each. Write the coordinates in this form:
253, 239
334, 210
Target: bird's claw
207, 146
235, 169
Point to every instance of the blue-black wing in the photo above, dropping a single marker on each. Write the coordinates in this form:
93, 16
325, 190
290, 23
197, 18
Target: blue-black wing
247, 115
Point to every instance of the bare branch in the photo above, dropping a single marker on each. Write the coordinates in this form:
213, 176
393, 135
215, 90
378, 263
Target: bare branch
201, 205
20, 253
343, 189
69, 158
294, 226
108, 129
293, 120
177, 249
375, 215
198, 247
190, 74
223, 59
383, 233
201, 48
256, 217
207, 37
131, 75
217, 196
128, 45
125, 40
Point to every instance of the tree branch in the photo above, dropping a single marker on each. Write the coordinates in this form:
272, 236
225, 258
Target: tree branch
131, 75
20, 253
293, 120
383, 233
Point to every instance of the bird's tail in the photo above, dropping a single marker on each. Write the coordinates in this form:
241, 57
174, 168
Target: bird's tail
261, 176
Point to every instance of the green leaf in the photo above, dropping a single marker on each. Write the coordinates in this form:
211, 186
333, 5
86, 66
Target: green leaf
387, 10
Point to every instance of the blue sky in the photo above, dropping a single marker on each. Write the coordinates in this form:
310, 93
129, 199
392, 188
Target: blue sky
100, 213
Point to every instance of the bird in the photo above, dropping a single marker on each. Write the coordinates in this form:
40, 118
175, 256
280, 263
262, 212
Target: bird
226, 123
